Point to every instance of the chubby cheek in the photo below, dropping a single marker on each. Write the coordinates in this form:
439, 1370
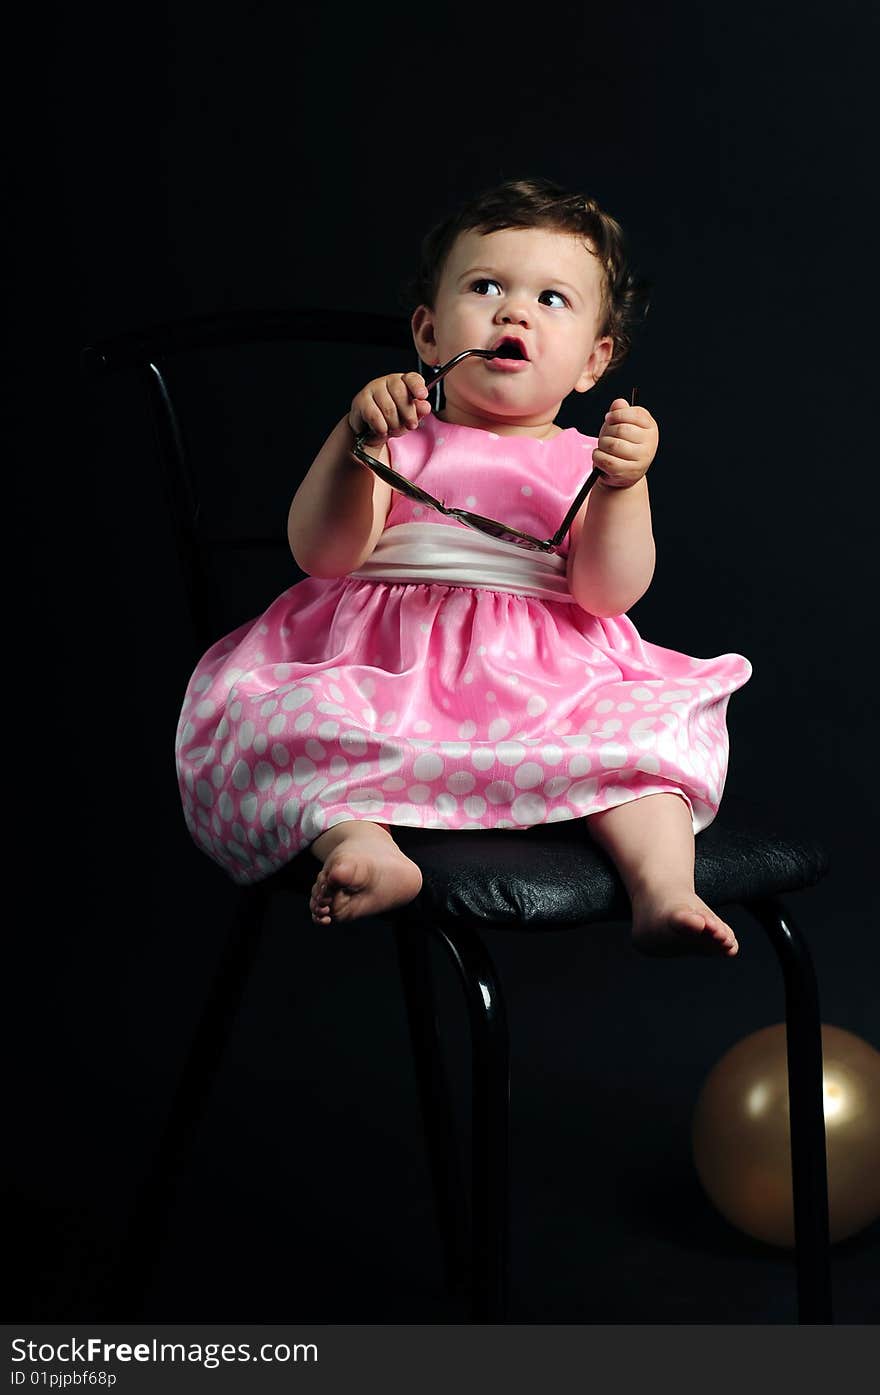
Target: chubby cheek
450, 340
571, 367
466, 327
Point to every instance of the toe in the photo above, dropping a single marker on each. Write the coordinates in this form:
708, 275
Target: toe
722, 934
351, 874
720, 930
689, 919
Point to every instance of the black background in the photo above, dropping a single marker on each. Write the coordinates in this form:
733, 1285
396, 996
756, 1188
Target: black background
182, 159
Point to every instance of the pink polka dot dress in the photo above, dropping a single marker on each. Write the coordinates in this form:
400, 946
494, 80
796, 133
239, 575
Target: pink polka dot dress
451, 682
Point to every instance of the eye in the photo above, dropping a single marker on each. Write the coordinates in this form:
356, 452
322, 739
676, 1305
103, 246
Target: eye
484, 281
558, 294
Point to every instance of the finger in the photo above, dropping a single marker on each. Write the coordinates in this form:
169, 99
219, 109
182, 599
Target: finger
637, 415
388, 407
369, 419
407, 415
416, 384
615, 470
622, 431
619, 450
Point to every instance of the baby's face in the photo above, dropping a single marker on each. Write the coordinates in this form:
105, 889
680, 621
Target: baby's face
539, 288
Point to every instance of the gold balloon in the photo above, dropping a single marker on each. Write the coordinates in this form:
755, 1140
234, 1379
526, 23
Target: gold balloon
741, 1137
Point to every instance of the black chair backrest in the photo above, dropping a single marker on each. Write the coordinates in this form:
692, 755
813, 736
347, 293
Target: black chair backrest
240, 404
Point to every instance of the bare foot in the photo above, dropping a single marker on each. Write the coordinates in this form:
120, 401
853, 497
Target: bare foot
363, 876
672, 923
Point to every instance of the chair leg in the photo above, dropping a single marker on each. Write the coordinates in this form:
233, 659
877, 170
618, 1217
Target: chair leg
145, 1231
490, 1105
806, 1106
438, 1117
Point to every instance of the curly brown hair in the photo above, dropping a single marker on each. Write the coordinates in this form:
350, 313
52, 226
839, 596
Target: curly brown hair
533, 203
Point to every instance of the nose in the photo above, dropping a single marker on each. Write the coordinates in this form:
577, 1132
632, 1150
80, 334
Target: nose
513, 311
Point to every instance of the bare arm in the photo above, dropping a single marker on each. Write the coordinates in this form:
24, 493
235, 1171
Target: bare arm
340, 508
612, 555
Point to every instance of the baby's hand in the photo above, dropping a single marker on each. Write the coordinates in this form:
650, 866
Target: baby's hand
627, 444
390, 406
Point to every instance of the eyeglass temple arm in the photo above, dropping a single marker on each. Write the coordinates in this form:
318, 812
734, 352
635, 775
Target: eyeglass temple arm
444, 368
569, 517
583, 491
436, 377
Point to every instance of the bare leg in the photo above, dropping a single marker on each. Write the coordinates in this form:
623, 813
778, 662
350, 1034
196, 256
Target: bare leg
651, 842
364, 872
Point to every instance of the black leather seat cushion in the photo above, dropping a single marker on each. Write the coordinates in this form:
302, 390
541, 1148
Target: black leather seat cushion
555, 875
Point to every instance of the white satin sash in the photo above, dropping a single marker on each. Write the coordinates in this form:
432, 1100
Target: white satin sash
435, 552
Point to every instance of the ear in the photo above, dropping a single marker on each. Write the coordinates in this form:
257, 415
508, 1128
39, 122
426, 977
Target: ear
595, 365
422, 325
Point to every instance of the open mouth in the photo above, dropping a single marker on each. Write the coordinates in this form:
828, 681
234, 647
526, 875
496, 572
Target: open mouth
511, 348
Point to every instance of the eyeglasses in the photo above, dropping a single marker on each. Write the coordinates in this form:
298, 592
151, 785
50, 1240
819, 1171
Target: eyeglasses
491, 526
